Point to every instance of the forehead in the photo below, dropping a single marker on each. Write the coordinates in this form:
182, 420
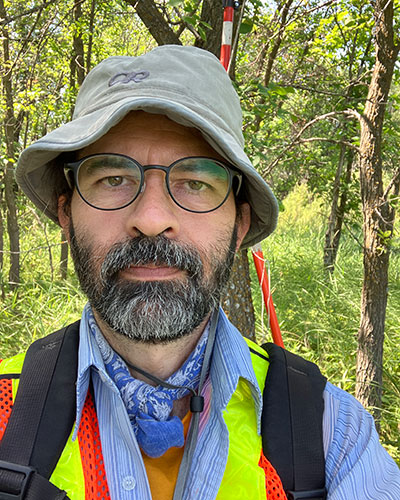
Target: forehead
147, 134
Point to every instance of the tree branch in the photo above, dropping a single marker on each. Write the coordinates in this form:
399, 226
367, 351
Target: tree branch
7, 20
320, 91
392, 182
348, 112
302, 15
155, 22
333, 141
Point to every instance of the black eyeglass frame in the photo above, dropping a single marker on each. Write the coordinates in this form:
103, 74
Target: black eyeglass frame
74, 168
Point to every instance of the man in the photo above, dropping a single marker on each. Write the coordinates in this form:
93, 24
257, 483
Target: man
155, 194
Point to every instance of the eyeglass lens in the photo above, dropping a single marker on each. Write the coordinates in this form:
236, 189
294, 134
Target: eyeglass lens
111, 181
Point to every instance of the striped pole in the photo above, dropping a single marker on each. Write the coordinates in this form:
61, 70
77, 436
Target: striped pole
258, 257
227, 31
263, 278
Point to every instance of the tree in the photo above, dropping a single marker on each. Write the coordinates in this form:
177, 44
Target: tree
378, 214
338, 208
11, 126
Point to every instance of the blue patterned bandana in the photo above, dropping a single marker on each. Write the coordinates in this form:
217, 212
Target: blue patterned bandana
149, 407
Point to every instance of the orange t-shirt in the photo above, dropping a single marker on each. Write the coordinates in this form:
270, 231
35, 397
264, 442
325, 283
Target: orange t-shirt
162, 472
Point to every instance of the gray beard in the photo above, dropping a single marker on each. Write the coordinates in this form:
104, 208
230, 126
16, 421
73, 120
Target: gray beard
152, 311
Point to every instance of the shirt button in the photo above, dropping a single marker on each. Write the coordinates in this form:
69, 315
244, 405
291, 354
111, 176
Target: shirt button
128, 483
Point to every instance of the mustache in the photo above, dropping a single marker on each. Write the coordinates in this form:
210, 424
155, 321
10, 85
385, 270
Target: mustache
144, 250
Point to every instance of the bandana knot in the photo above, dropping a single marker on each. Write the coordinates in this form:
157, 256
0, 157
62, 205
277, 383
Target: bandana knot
149, 408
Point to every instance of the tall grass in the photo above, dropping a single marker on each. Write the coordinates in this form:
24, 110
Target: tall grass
319, 315
43, 302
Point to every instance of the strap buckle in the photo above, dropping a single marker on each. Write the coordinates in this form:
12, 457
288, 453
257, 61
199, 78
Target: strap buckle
307, 495
14, 480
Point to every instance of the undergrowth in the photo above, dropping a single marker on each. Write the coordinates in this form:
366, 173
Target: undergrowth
318, 314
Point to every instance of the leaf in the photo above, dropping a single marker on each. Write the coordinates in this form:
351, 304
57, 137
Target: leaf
246, 26
340, 16
190, 20
175, 3
282, 113
263, 90
202, 33
283, 91
203, 23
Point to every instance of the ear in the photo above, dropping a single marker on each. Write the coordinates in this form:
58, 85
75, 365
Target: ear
64, 215
243, 222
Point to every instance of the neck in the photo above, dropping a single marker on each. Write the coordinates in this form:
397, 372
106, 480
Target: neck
161, 359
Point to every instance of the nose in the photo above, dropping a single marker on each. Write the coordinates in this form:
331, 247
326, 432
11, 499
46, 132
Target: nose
153, 212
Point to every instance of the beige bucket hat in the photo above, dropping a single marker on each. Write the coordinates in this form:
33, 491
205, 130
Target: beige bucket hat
189, 86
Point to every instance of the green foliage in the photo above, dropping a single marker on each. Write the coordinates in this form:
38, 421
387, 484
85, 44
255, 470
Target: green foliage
322, 65
319, 315
175, 3
246, 26
43, 303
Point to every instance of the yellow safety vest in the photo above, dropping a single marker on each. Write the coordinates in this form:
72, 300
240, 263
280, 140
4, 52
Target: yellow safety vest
243, 477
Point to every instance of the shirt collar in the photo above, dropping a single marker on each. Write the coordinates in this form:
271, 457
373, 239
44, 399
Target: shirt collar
230, 361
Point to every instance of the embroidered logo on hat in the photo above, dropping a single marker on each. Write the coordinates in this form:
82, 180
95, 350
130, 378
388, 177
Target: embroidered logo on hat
134, 76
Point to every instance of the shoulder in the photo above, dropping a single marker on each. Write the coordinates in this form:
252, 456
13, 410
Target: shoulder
357, 465
14, 364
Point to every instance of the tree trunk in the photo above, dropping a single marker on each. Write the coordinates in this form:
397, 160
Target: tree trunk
212, 14
90, 40
12, 226
377, 216
10, 126
78, 49
154, 21
329, 252
237, 302
338, 209
273, 52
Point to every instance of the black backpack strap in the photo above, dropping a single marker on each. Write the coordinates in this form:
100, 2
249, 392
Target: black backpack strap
292, 423
42, 418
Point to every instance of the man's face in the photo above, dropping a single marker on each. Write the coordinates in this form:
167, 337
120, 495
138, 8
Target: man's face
152, 270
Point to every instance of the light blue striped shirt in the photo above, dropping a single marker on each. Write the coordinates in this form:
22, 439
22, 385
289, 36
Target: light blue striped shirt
357, 466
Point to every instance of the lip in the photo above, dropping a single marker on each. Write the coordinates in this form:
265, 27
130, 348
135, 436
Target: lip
152, 273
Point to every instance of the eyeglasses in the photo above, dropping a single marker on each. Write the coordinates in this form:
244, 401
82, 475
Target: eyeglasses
113, 181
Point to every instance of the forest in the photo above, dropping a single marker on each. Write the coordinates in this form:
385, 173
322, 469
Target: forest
319, 87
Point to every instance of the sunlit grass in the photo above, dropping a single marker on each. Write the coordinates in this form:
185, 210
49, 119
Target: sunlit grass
319, 315
43, 302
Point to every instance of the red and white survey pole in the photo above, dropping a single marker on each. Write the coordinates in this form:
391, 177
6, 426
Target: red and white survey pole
258, 257
227, 31
263, 278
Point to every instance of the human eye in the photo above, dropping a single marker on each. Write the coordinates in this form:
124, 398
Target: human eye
191, 186
105, 175
191, 179
195, 185
113, 181
105, 178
